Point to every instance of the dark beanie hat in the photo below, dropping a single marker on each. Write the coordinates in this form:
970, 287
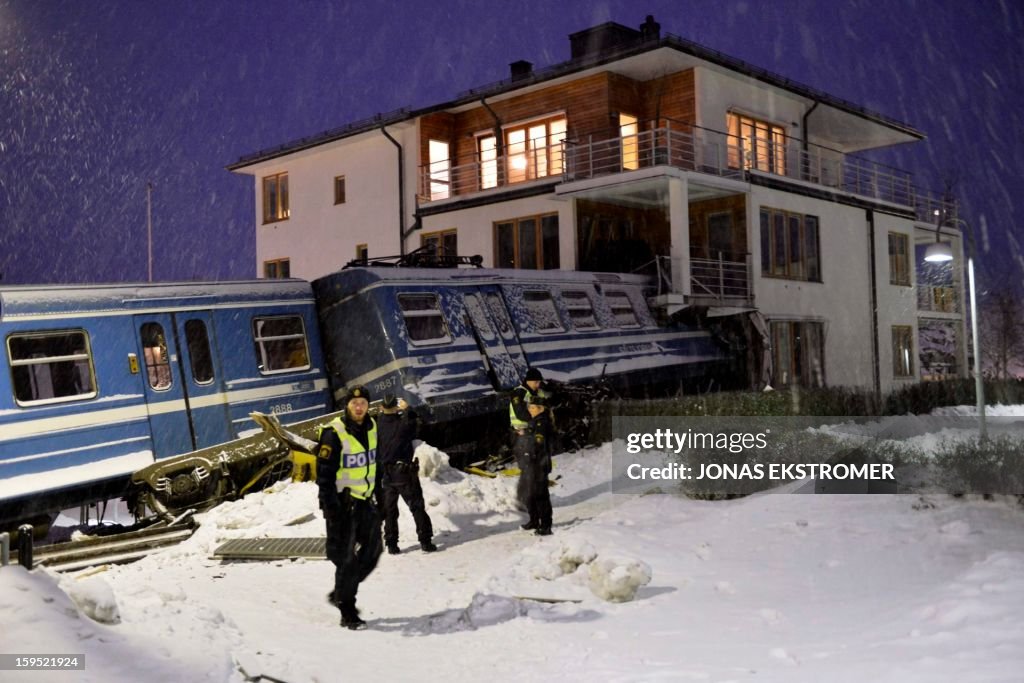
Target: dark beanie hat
357, 392
533, 374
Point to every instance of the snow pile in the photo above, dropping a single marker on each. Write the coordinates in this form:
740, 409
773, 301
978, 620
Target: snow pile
94, 597
432, 461
618, 580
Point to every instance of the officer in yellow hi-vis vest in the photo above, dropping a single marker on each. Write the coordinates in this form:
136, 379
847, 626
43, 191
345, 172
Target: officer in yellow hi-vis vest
519, 419
346, 474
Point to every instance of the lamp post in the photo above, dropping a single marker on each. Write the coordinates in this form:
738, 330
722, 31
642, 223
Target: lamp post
939, 253
149, 228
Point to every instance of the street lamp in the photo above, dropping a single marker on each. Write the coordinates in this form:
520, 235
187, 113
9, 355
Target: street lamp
939, 253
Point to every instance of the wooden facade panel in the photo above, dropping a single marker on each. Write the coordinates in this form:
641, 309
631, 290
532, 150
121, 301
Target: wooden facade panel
672, 97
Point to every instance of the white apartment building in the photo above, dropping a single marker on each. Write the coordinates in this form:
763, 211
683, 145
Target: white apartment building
742, 191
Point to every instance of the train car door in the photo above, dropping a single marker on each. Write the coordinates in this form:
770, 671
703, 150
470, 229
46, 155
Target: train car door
496, 337
182, 382
203, 379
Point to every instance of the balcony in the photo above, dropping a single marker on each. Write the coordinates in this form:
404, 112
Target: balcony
713, 281
686, 147
937, 299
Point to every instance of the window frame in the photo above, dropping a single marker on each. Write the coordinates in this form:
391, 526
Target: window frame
440, 238
48, 360
778, 258
439, 170
542, 256
808, 332
629, 141
420, 313
363, 252
612, 294
339, 190
903, 357
899, 263
770, 160
192, 356
277, 264
545, 297
277, 210
265, 355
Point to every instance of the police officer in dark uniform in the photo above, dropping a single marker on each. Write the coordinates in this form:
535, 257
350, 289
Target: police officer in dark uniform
519, 419
346, 474
534, 449
400, 476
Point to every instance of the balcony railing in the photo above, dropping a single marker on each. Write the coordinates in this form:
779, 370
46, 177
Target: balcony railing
937, 299
687, 147
710, 278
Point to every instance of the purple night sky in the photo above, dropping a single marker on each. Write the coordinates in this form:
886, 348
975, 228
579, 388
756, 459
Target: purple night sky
100, 97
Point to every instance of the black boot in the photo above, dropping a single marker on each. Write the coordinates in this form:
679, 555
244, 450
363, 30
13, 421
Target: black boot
543, 531
427, 546
393, 549
350, 617
528, 526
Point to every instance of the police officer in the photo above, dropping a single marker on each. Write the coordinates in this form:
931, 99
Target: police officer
346, 474
534, 449
519, 418
400, 476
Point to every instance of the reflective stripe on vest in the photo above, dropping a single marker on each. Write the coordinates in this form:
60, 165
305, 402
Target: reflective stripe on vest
358, 469
513, 419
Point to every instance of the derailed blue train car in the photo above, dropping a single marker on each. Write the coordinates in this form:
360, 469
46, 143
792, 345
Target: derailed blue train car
454, 341
102, 380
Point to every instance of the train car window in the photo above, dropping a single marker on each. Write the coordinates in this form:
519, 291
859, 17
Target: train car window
500, 315
622, 308
51, 367
581, 310
154, 351
423, 319
280, 344
479, 317
542, 311
199, 351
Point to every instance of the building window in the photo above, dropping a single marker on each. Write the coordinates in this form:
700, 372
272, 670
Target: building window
899, 259
580, 309
277, 269
444, 243
362, 253
423, 319
531, 151
280, 344
798, 352
51, 367
629, 128
339, 189
763, 144
529, 243
440, 169
789, 245
902, 351
275, 198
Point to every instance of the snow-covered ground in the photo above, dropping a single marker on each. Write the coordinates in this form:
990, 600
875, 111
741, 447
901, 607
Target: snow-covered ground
765, 588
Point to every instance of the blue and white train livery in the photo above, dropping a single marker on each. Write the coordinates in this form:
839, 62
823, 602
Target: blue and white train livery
102, 380
454, 341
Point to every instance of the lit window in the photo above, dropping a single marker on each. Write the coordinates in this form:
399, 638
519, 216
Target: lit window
762, 144
154, 351
628, 130
362, 253
275, 198
488, 151
442, 244
440, 170
51, 367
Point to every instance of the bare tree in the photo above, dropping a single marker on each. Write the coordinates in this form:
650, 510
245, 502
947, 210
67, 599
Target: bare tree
1002, 333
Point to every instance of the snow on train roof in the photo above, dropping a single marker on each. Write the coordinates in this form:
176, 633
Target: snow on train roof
350, 280
18, 300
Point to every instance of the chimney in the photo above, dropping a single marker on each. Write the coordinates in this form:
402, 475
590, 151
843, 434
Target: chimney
602, 40
521, 69
650, 29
